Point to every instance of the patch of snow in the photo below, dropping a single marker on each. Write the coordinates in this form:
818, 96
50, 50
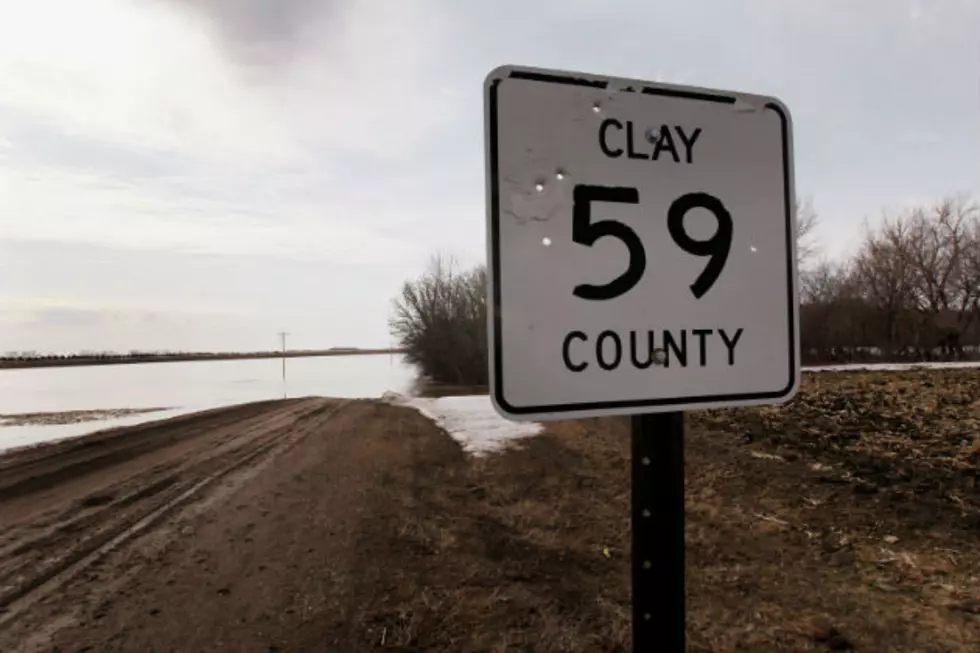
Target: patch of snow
892, 367
29, 435
471, 421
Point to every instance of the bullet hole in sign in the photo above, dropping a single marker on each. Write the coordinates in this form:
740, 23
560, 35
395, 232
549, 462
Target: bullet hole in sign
546, 241
596, 108
753, 248
559, 174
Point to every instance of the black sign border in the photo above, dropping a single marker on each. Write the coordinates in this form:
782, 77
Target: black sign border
494, 215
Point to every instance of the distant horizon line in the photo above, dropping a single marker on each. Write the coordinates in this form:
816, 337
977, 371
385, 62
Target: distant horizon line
106, 358
94, 353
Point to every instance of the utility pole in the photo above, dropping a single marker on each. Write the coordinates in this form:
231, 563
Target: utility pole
282, 339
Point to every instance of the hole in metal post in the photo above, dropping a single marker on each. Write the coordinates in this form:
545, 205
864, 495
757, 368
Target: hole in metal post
645, 513
645, 460
646, 616
646, 564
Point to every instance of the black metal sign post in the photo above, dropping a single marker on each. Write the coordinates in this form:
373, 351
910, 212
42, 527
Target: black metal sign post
658, 532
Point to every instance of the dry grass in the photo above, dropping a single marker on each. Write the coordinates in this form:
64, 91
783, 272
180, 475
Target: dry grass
844, 521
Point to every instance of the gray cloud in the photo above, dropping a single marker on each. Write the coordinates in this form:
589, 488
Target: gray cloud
40, 142
262, 32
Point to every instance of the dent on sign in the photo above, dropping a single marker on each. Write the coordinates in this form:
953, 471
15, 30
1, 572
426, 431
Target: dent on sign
627, 283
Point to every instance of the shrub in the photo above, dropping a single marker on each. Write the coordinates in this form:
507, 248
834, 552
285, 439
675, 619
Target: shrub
440, 320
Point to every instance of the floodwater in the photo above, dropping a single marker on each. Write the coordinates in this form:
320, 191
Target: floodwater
184, 387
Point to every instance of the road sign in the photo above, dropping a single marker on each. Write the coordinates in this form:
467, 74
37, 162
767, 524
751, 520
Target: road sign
641, 246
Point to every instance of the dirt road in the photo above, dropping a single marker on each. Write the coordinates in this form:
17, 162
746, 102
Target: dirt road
350, 526
135, 539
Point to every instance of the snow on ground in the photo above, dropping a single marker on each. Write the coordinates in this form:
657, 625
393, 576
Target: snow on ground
891, 367
15, 437
471, 421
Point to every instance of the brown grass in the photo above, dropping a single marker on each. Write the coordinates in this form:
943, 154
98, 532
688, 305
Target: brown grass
844, 521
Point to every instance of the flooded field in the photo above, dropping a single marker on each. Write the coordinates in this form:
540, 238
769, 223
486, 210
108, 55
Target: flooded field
177, 388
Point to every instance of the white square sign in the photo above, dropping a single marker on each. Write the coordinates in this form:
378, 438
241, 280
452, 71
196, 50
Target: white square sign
641, 246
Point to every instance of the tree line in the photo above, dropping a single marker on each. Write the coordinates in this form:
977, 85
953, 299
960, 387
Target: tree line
910, 293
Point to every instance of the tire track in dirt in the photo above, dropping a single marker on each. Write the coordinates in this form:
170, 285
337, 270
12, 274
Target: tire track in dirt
167, 470
278, 562
34, 469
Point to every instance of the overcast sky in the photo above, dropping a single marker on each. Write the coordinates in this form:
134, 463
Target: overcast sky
200, 174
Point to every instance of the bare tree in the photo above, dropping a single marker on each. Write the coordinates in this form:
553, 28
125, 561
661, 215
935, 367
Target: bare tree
968, 281
886, 281
919, 271
440, 321
806, 222
838, 322
827, 303
934, 248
